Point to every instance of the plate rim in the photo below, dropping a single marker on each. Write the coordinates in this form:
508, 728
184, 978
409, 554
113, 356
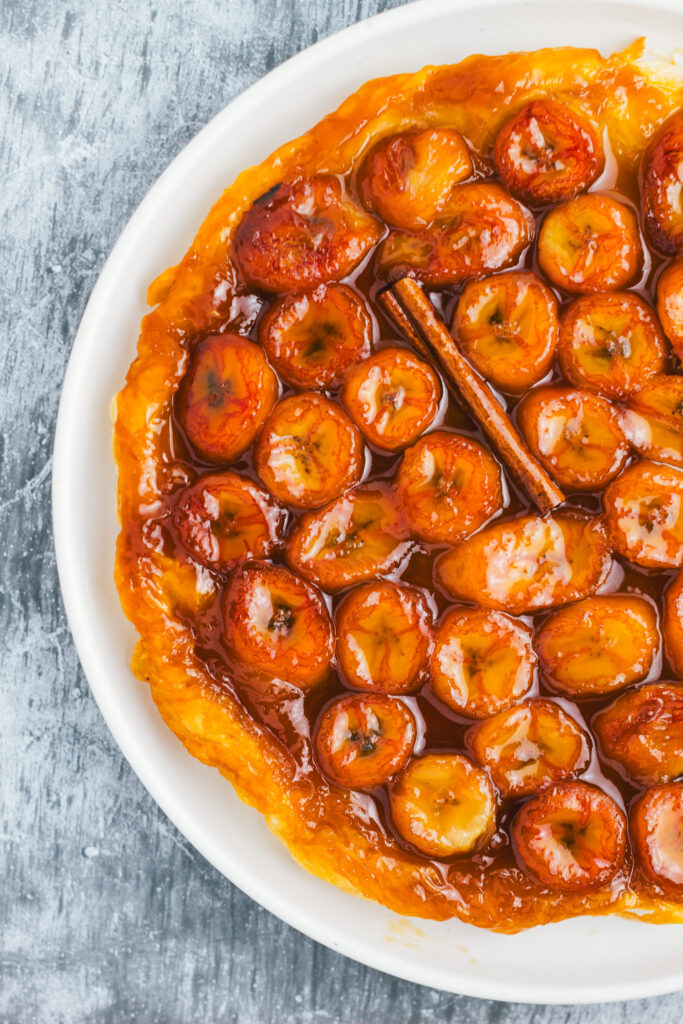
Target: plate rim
239, 874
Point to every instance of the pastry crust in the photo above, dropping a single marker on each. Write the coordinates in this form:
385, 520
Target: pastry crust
333, 832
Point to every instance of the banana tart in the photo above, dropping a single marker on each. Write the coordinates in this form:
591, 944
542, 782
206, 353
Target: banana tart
401, 490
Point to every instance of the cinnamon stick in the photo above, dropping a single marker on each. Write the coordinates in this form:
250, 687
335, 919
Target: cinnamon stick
415, 315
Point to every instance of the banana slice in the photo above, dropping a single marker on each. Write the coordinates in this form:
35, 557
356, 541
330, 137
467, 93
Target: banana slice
392, 397
644, 515
301, 234
527, 747
507, 327
448, 486
657, 831
384, 637
571, 837
278, 624
224, 519
312, 339
576, 435
611, 344
590, 244
483, 661
309, 451
662, 186
670, 304
362, 740
226, 396
480, 229
359, 536
643, 730
444, 805
599, 645
408, 178
653, 420
529, 563
547, 152
672, 623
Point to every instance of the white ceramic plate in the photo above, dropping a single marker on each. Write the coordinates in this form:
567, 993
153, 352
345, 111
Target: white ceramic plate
583, 960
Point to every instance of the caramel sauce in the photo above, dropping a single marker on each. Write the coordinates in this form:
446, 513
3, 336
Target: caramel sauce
345, 836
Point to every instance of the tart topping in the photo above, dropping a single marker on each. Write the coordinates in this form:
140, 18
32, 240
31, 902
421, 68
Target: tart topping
448, 486
547, 152
663, 186
278, 624
643, 730
483, 661
529, 746
670, 304
444, 805
672, 623
611, 344
357, 537
363, 740
480, 229
654, 419
591, 244
644, 515
226, 396
576, 435
224, 519
657, 831
507, 327
383, 637
309, 452
408, 178
392, 397
571, 836
529, 563
312, 339
599, 645
304, 233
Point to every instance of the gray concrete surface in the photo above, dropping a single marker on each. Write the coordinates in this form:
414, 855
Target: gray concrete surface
106, 913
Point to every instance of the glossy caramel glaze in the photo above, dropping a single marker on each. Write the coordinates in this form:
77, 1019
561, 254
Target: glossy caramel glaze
259, 731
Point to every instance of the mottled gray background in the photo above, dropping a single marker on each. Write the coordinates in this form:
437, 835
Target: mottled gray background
106, 913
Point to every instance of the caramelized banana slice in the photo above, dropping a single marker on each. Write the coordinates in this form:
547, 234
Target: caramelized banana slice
653, 420
224, 519
507, 327
643, 730
362, 741
662, 188
225, 397
547, 152
571, 836
444, 805
448, 486
302, 234
483, 661
527, 747
611, 343
480, 229
575, 434
672, 623
408, 178
357, 537
393, 397
530, 563
384, 637
657, 832
644, 515
276, 623
599, 645
591, 244
312, 339
670, 304
309, 451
